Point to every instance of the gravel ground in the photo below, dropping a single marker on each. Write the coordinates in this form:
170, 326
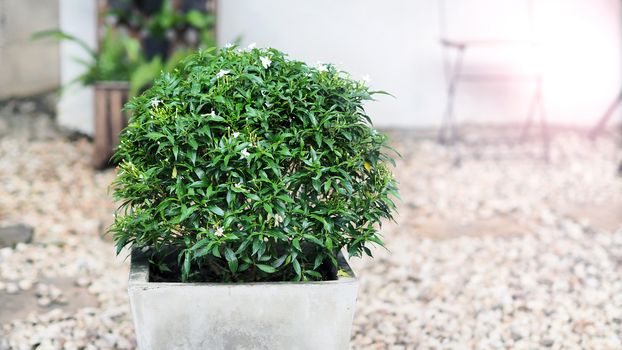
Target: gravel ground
503, 252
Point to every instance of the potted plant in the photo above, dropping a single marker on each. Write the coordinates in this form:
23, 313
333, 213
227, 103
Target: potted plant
108, 70
124, 65
243, 175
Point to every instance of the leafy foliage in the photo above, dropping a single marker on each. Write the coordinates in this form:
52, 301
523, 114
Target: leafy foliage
166, 19
251, 167
118, 57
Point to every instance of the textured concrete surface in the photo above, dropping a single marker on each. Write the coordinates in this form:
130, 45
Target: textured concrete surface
216, 316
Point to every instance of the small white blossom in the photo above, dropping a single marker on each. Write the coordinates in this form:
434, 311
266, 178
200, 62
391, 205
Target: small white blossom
244, 153
155, 102
210, 114
268, 104
265, 61
238, 185
366, 78
222, 73
228, 45
321, 67
251, 46
235, 135
277, 219
219, 232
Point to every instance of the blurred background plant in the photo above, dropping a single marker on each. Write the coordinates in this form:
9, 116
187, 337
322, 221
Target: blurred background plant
138, 40
141, 39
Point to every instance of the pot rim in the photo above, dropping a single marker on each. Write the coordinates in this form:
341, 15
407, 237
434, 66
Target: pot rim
139, 276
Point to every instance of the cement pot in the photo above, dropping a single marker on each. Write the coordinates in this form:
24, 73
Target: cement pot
274, 315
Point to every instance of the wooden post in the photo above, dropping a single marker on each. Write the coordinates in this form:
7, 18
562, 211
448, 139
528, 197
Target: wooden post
109, 120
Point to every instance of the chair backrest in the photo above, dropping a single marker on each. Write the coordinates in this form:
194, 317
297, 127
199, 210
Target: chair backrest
487, 19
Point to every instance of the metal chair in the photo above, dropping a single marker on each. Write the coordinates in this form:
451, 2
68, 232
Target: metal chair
454, 73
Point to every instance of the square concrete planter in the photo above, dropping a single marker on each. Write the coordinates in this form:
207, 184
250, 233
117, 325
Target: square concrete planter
274, 315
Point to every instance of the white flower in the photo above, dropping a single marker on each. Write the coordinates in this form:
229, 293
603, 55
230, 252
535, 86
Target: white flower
210, 114
235, 135
277, 219
366, 78
155, 102
244, 153
222, 73
265, 61
238, 185
219, 232
268, 104
321, 67
228, 45
251, 46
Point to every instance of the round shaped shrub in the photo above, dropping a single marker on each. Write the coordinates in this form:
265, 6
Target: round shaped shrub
249, 166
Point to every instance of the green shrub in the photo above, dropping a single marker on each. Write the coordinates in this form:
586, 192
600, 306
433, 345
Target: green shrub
249, 166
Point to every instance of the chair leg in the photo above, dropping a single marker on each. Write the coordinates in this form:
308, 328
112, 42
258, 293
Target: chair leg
544, 131
448, 132
530, 114
602, 122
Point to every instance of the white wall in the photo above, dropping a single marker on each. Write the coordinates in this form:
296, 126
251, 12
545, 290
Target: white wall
27, 67
396, 43
75, 108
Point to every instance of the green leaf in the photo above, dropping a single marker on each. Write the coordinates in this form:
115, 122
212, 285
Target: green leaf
296, 266
313, 239
328, 243
266, 268
296, 244
216, 210
232, 259
314, 274
216, 252
186, 267
252, 196
155, 135
200, 244
277, 263
121, 242
316, 184
327, 186
193, 143
186, 212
